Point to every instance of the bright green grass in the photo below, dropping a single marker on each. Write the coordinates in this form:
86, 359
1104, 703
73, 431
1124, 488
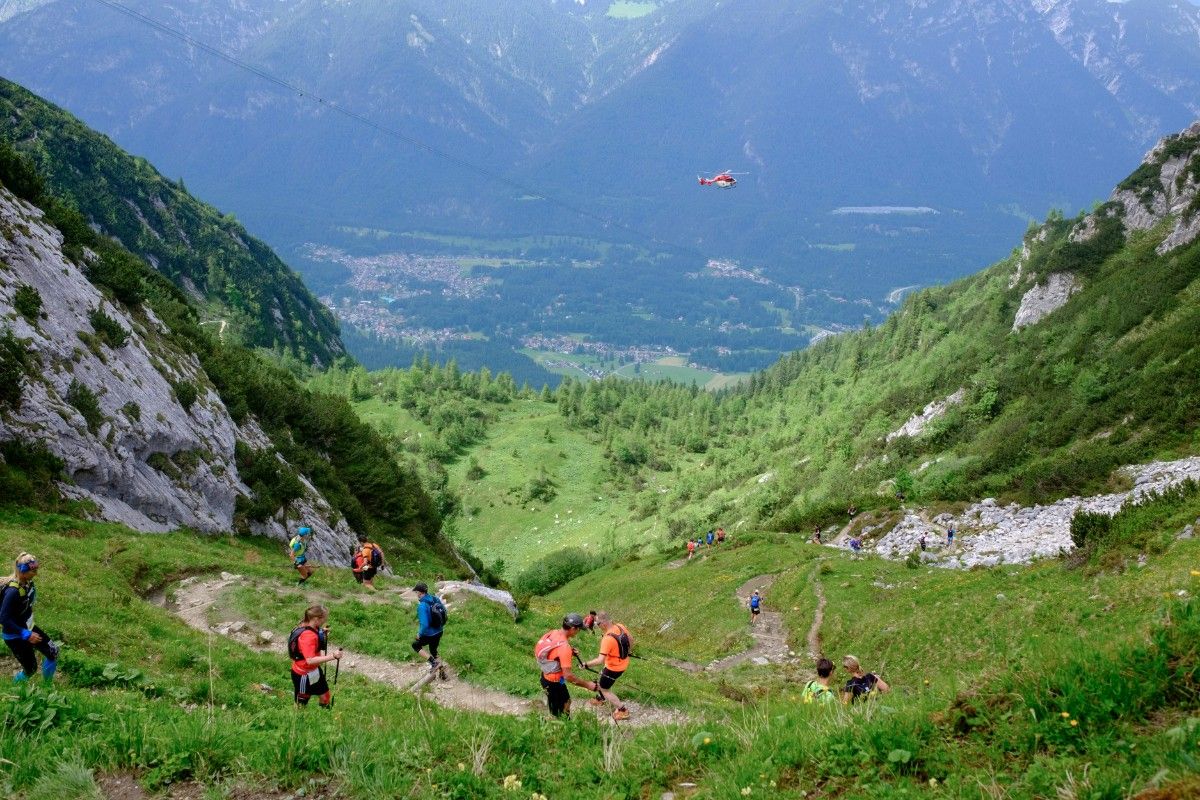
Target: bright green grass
687, 612
499, 525
181, 706
628, 9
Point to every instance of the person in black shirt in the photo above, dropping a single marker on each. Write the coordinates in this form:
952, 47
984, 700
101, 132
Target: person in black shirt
861, 684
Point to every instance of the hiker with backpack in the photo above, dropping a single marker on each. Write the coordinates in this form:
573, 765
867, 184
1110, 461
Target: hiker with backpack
23, 638
862, 685
367, 562
720, 535
691, 547
554, 653
431, 614
615, 647
755, 606
817, 691
589, 622
298, 547
709, 537
307, 645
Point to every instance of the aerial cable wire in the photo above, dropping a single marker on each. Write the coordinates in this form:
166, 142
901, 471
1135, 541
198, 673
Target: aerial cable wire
395, 133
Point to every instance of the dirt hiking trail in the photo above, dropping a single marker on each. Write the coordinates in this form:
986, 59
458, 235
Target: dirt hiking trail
814, 632
194, 597
770, 638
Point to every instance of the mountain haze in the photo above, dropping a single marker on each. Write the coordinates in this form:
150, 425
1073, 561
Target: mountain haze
987, 113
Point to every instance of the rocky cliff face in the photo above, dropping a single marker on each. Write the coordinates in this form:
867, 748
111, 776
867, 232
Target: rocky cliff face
143, 436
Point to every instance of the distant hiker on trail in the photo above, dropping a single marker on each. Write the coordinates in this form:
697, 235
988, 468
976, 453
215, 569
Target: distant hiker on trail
855, 544
816, 537
615, 646
306, 647
298, 547
367, 562
950, 536
817, 690
861, 684
852, 511
554, 653
755, 606
691, 546
709, 538
720, 535
922, 543
24, 638
431, 614
589, 622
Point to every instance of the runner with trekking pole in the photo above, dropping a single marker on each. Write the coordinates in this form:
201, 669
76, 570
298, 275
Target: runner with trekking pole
615, 647
307, 647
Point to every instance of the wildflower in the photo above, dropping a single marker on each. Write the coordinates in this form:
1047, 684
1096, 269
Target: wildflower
1066, 715
511, 783
746, 791
461, 766
1074, 723
708, 740
1196, 573
933, 782
537, 796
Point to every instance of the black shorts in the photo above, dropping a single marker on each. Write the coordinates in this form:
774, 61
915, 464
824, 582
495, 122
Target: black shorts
754, 611
608, 677
557, 696
432, 641
366, 574
304, 689
24, 652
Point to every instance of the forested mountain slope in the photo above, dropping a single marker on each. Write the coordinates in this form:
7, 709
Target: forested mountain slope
1031, 381
235, 280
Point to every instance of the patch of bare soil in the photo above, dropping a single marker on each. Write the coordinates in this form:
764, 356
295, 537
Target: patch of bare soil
124, 786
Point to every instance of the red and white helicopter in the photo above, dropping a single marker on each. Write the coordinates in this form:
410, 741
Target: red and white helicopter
722, 180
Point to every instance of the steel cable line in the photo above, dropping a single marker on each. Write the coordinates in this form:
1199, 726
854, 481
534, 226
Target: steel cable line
395, 133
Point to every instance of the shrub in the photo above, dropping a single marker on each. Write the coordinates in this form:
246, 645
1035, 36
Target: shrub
28, 303
132, 411
108, 329
475, 471
541, 488
186, 393
1088, 528
14, 365
18, 174
85, 402
27, 474
556, 569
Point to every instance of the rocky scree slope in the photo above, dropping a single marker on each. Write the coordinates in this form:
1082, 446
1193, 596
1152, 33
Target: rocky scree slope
142, 434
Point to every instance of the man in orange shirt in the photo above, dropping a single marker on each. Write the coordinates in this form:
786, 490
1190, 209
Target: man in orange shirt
554, 653
615, 645
305, 646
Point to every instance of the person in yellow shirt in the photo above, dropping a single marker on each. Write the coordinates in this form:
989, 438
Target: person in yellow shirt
615, 646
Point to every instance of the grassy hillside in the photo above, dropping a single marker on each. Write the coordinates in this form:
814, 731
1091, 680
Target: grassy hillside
1103, 704
233, 277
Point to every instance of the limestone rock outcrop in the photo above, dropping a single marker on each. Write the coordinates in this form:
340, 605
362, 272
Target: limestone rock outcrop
141, 457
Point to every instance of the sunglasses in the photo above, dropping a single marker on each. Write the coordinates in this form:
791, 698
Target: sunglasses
28, 566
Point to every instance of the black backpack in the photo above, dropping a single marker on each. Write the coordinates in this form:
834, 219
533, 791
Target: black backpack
623, 643
376, 556
293, 647
437, 612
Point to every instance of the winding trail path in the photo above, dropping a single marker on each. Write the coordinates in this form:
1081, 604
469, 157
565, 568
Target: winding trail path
194, 598
814, 631
770, 637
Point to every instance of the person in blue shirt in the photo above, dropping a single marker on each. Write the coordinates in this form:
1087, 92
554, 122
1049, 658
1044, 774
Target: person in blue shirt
755, 606
431, 616
710, 538
298, 547
24, 638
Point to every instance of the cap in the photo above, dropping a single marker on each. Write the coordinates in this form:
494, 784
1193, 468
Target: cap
304, 530
572, 620
422, 588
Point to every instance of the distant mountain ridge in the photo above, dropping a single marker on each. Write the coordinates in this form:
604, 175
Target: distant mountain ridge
987, 112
